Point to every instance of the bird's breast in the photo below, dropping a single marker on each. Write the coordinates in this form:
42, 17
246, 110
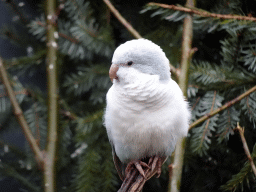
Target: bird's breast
142, 124
145, 118
146, 93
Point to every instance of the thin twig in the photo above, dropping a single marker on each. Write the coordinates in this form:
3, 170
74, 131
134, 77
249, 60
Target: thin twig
225, 106
203, 13
246, 149
20, 116
122, 20
135, 33
52, 85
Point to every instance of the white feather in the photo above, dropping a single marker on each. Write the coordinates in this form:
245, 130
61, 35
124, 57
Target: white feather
144, 115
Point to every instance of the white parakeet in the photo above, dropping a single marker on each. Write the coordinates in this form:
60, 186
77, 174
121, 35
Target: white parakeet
146, 112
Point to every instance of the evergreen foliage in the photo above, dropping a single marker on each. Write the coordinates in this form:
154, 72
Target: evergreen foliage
223, 68
244, 177
201, 137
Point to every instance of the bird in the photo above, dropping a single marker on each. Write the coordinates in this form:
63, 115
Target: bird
146, 112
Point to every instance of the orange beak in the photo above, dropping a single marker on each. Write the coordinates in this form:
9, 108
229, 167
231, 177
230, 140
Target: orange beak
112, 71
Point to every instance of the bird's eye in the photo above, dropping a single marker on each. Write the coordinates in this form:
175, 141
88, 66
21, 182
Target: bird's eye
130, 63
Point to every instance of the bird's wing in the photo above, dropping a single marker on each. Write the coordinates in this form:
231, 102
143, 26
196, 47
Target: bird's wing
120, 167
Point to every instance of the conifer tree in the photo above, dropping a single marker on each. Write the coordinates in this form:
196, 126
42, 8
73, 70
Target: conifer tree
222, 78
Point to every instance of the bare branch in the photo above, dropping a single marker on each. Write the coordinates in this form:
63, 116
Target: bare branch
187, 52
227, 105
122, 20
135, 33
202, 13
246, 149
20, 116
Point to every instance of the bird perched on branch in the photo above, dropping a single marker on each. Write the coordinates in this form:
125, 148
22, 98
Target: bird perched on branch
146, 112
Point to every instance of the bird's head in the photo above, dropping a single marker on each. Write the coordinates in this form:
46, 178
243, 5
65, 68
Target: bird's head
142, 55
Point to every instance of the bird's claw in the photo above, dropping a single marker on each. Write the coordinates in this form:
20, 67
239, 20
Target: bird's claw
156, 164
138, 164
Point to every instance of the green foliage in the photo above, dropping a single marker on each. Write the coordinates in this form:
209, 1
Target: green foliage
96, 162
227, 122
205, 74
5, 104
36, 118
220, 77
85, 31
80, 36
245, 176
248, 105
214, 82
201, 137
223, 68
89, 78
85, 41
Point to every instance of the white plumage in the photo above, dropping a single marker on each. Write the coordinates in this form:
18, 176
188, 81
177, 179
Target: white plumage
146, 112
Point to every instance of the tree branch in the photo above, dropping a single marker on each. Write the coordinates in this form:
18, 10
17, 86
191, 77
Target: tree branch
135, 33
122, 20
20, 116
52, 86
175, 179
227, 105
246, 149
202, 13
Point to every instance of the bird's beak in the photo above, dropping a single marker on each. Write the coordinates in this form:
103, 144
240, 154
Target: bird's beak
112, 71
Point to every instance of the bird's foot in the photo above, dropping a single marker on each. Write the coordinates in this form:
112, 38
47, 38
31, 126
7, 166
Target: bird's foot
139, 166
156, 163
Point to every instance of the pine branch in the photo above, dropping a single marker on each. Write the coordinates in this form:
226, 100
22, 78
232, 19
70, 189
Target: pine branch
52, 82
135, 33
122, 20
208, 122
17, 62
246, 149
69, 38
226, 123
20, 116
248, 106
201, 135
79, 7
245, 174
175, 179
202, 13
227, 105
37, 121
